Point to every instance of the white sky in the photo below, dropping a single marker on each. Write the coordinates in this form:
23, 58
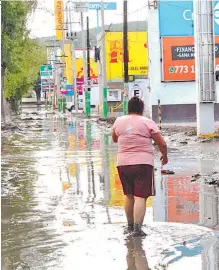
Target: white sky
42, 22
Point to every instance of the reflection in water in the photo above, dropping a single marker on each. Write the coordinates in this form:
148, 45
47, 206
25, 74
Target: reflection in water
182, 200
209, 206
62, 183
210, 256
90, 162
187, 249
136, 257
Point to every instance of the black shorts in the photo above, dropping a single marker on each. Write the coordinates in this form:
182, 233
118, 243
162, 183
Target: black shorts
137, 180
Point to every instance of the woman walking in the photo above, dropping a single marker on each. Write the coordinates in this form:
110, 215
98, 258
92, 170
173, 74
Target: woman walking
135, 161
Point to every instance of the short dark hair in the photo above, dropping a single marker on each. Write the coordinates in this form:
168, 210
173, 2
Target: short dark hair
136, 105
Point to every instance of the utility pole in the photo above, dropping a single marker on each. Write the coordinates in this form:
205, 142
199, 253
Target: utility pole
74, 72
125, 55
103, 100
205, 66
88, 71
100, 70
75, 78
84, 58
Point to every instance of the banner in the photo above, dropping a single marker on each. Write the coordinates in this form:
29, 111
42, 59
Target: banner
80, 72
138, 54
178, 58
68, 62
59, 19
176, 18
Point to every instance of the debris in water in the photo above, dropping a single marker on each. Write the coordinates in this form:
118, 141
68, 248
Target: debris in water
31, 118
213, 182
195, 177
9, 126
109, 120
167, 172
206, 140
191, 132
183, 142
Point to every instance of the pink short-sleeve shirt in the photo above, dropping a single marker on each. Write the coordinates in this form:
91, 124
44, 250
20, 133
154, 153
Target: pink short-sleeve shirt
134, 140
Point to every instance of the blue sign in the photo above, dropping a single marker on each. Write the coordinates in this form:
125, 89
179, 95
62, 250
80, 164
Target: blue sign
176, 18
70, 93
107, 5
69, 86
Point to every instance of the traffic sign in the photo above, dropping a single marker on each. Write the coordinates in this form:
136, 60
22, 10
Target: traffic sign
136, 89
107, 5
46, 70
45, 67
47, 83
81, 6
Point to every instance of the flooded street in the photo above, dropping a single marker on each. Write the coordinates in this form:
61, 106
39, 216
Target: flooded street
62, 201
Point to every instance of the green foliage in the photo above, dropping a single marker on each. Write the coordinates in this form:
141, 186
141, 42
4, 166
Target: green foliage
26, 60
21, 56
14, 28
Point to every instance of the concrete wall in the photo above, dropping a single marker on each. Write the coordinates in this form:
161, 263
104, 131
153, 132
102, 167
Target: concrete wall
175, 92
176, 113
178, 99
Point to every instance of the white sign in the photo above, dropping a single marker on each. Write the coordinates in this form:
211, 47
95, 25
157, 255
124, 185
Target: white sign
114, 95
140, 89
136, 89
81, 6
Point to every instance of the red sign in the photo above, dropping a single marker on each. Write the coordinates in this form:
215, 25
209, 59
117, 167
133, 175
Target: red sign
178, 55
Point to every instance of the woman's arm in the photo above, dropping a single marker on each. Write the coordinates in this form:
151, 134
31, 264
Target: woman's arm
159, 140
114, 136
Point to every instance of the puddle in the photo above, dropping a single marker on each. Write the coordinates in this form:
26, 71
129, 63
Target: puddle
62, 204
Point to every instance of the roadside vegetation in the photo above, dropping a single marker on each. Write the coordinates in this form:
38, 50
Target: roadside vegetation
21, 56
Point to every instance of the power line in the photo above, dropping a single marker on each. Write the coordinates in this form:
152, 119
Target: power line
128, 13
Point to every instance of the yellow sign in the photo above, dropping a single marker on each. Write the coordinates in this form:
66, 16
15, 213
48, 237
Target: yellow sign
93, 69
138, 54
59, 19
68, 61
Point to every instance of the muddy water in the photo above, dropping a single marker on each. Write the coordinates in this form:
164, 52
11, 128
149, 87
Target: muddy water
62, 203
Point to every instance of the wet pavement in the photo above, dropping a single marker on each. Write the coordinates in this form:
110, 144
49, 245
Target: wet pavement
62, 201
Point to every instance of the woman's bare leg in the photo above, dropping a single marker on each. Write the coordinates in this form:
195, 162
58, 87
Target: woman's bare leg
139, 214
129, 210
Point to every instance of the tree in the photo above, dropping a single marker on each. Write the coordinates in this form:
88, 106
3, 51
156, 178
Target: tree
21, 56
27, 59
13, 20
